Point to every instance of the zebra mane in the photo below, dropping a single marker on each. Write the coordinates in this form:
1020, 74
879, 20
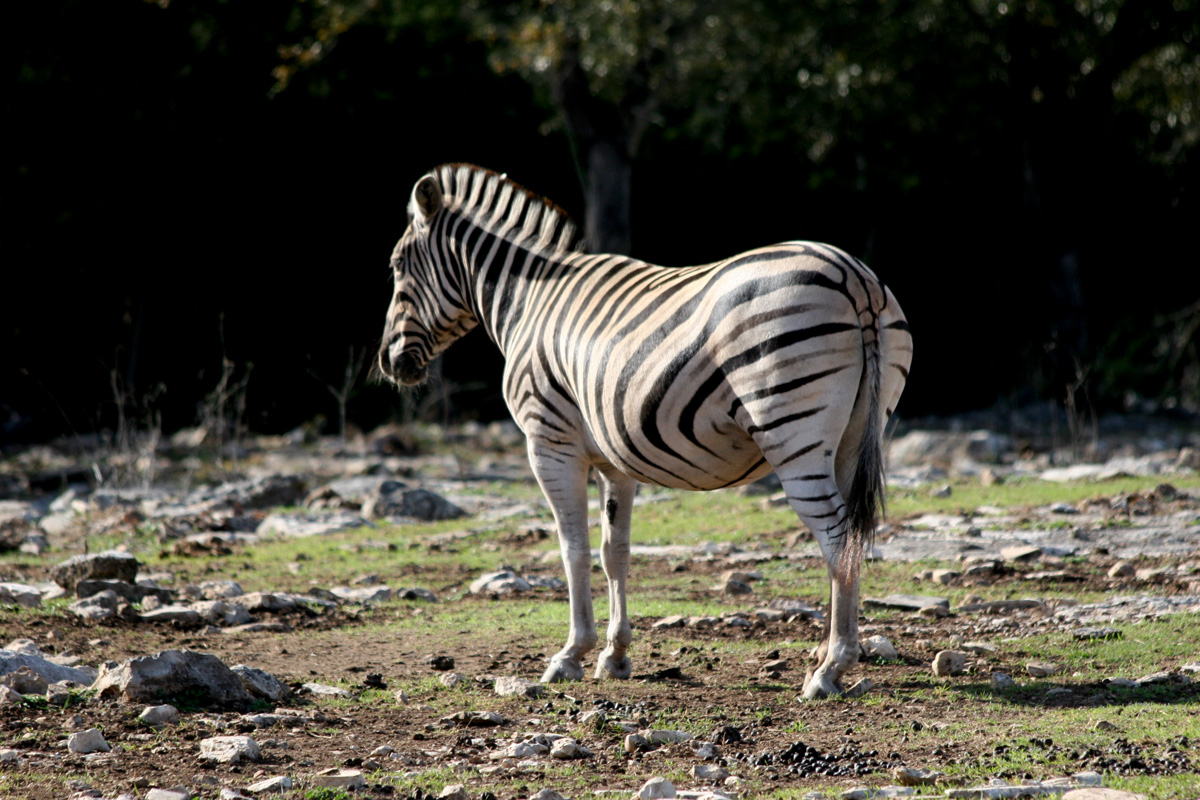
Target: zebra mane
502, 206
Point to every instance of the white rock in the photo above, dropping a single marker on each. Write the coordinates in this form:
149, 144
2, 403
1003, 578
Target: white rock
510, 685
335, 778
1040, 669
949, 662
656, 788
711, 773
879, 647
451, 679
158, 716
547, 794
21, 594
1088, 778
9, 756
499, 583
667, 737
172, 613
326, 690
279, 783
89, 741
230, 749
567, 749
455, 791
1000, 680
168, 794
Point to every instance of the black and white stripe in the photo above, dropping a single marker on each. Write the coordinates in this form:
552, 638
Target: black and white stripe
785, 358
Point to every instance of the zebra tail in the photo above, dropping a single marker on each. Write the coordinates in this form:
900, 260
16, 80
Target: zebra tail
866, 502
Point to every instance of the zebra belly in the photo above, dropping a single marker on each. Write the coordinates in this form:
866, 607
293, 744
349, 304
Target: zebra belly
737, 459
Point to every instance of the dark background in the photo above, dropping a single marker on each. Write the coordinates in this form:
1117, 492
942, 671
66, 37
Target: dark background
164, 210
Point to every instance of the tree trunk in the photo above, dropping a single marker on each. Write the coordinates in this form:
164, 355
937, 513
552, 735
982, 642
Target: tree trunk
606, 219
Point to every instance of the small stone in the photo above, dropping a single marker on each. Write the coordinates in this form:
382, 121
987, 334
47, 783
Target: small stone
158, 716
1001, 680
859, 689
334, 778
943, 491
451, 679
325, 690
1120, 683
567, 749
949, 662
89, 741
734, 587
1040, 669
879, 647
547, 794
1088, 778
979, 648
454, 791
673, 621
1122, 569
168, 794
635, 742
989, 478
279, 783
711, 773
945, 576
509, 686
261, 683
668, 737
1101, 793
934, 612
25, 681
656, 788
1020, 553
230, 749
1104, 725
909, 776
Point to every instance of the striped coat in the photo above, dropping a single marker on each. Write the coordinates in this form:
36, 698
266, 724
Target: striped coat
787, 358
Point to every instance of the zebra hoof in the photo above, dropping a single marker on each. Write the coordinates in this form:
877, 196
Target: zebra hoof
562, 670
608, 667
820, 687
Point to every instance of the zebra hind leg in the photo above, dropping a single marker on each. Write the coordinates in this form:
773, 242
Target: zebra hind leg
814, 496
616, 496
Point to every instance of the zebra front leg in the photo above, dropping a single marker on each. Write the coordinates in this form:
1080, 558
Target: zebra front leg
616, 498
563, 479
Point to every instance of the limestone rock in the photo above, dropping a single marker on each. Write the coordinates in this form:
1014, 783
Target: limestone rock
908, 776
879, 647
25, 681
499, 582
20, 594
172, 613
395, 499
200, 677
230, 749
1000, 680
97, 607
709, 773
280, 783
261, 683
656, 788
11, 661
567, 749
949, 662
109, 565
89, 741
1040, 669
335, 778
454, 791
158, 716
511, 685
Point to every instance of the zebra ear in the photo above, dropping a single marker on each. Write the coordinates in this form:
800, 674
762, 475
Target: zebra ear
427, 197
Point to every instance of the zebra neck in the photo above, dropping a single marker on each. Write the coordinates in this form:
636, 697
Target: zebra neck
509, 281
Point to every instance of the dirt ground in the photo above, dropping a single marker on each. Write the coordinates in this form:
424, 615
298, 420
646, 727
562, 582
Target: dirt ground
762, 734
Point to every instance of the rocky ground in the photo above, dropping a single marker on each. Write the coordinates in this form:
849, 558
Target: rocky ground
125, 674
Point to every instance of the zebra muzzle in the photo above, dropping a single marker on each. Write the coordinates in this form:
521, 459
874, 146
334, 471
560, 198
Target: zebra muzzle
407, 369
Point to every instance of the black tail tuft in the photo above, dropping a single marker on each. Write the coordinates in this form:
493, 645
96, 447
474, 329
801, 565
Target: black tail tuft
866, 501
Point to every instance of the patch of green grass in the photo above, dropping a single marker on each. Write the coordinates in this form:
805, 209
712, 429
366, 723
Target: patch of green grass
327, 793
1017, 493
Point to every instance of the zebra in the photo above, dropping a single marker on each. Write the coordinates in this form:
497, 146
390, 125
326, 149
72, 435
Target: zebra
788, 358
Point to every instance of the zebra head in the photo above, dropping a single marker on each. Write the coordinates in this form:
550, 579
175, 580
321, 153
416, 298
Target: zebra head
428, 311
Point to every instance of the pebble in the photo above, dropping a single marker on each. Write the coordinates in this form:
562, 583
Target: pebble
879, 647
568, 749
1040, 669
279, 783
89, 741
512, 686
158, 716
712, 773
547, 794
909, 776
450, 680
1001, 680
334, 778
230, 749
949, 662
454, 791
656, 788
